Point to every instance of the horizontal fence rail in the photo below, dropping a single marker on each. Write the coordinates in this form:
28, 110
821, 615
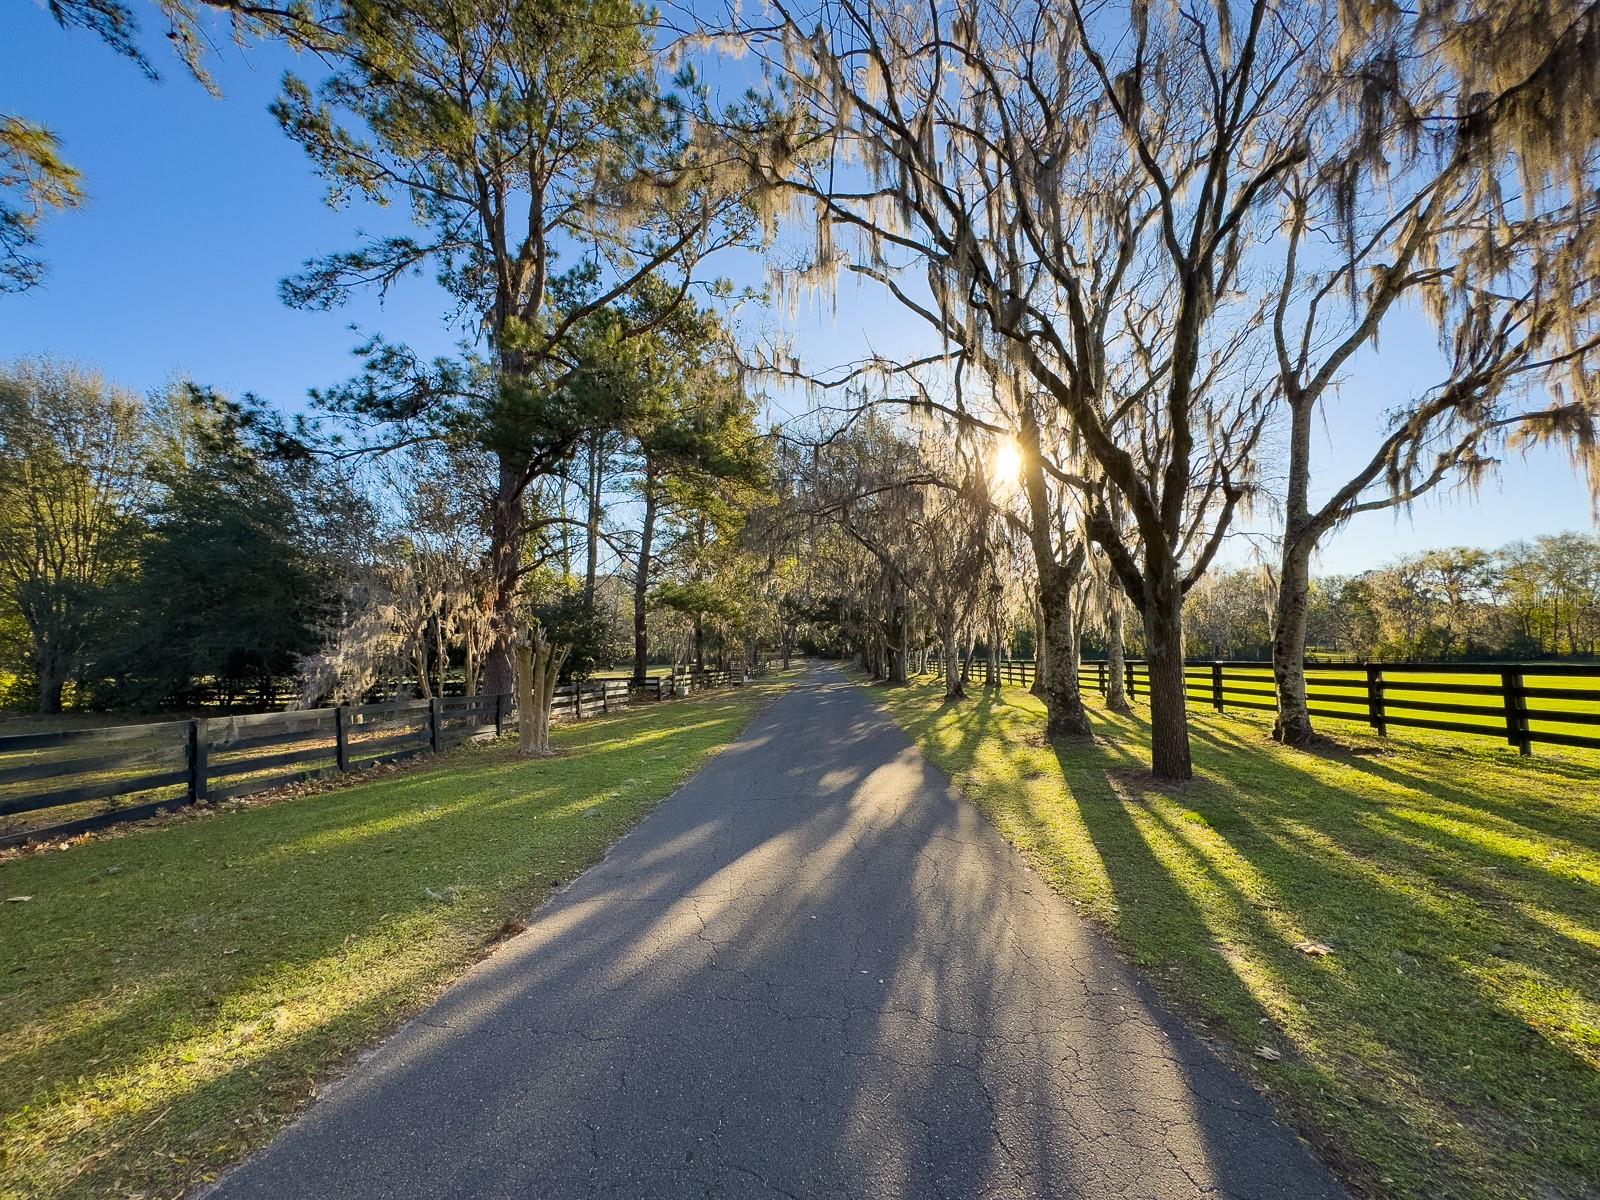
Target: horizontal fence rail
1524, 704
59, 783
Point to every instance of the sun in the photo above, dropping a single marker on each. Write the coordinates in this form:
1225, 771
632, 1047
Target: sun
1007, 461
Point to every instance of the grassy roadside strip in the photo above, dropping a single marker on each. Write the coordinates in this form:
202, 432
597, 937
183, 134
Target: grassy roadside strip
170, 997
1449, 1044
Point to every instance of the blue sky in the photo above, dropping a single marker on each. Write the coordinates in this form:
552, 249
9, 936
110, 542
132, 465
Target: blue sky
198, 206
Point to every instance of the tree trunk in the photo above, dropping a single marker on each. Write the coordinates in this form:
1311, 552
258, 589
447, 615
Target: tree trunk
1063, 701
591, 496
1169, 718
1058, 644
1116, 660
419, 664
538, 670
441, 652
950, 652
1037, 687
505, 574
991, 665
51, 684
1293, 724
641, 584
898, 618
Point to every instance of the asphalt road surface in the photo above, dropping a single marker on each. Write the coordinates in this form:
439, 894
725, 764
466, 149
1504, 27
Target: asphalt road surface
815, 971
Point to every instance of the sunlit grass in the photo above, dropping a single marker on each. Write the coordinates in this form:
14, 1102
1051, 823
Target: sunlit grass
169, 997
1450, 1043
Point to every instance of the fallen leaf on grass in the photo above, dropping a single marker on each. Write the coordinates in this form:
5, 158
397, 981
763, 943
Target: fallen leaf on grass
1313, 949
18, 899
1268, 1053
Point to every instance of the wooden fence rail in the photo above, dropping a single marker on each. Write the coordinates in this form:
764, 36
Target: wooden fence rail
1523, 703
59, 783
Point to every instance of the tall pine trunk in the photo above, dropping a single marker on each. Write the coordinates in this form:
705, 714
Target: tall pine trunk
641, 584
591, 495
505, 573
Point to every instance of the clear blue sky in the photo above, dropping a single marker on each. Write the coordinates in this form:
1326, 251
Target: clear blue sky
200, 205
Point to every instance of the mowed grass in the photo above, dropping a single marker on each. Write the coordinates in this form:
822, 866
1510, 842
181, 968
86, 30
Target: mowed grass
168, 998
1449, 1045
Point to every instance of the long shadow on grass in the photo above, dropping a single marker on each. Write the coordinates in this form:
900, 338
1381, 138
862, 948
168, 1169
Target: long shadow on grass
240, 916
815, 972
1423, 921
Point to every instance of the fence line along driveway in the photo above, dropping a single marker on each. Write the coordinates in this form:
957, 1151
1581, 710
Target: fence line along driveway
59, 783
1523, 703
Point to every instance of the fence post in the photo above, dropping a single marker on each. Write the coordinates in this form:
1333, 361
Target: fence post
1216, 685
199, 756
1127, 674
499, 713
433, 724
341, 737
1516, 705
605, 697
1375, 699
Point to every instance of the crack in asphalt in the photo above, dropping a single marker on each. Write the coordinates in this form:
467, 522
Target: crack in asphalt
814, 971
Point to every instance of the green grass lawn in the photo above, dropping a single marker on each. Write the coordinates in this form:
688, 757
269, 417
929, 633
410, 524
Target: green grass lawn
169, 997
1449, 1046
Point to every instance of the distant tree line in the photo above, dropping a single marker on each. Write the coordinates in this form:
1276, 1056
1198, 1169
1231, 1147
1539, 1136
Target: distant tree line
1528, 599
166, 551
150, 547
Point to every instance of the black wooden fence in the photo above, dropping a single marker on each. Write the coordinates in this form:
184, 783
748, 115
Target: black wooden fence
63, 782
1524, 703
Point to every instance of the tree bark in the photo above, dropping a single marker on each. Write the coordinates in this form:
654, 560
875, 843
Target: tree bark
641, 583
51, 684
991, 666
538, 670
1063, 700
1169, 717
1057, 653
1293, 725
505, 574
898, 648
592, 515
950, 652
1039, 667
1116, 659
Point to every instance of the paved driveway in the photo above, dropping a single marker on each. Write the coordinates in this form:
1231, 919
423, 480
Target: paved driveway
813, 972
